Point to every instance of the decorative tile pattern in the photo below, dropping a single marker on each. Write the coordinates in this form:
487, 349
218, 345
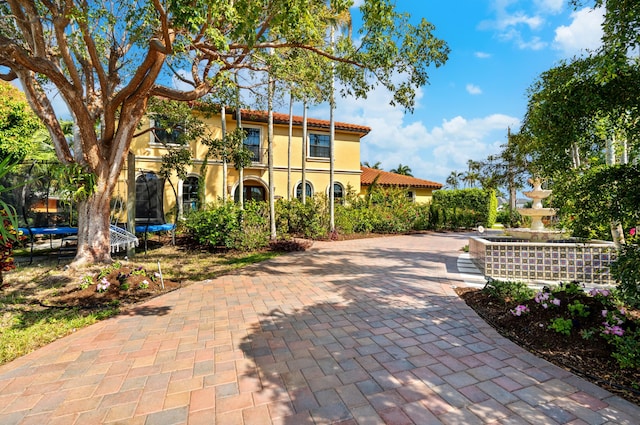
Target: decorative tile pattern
586, 263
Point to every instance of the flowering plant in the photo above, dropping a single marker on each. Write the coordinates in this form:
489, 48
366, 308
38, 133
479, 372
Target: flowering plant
613, 321
103, 285
596, 292
520, 310
546, 299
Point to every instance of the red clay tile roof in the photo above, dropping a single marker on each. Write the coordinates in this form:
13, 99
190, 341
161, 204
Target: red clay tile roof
279, 118
392, 179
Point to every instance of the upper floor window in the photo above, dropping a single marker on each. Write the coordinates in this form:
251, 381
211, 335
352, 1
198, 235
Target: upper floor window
252, 142
319, 145
167, 131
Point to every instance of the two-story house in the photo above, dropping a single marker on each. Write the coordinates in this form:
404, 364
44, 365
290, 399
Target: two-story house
148, 157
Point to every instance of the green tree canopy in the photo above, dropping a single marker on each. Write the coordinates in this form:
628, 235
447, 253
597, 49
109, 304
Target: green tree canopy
106, 59
18, 123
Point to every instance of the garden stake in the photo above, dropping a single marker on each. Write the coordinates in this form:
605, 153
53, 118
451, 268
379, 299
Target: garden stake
160, 273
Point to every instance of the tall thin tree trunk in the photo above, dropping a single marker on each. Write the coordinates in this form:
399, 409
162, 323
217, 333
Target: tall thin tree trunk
289, 146
241, 170
575, 155
304, 151
332, 135
223, 126
272, 208
617, 232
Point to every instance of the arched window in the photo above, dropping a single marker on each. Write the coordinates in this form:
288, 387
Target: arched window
309, 191
338, 191
252, 192
149, 198
190, 197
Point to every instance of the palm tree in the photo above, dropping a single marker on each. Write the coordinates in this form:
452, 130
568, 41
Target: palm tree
453, 181
376, 166
405, 170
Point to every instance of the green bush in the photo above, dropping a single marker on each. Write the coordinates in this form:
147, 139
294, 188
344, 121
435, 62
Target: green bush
253, 232
214, 225
627, 349
509, 218
226, 225
464, 208
625, 270
509, 290
307, 220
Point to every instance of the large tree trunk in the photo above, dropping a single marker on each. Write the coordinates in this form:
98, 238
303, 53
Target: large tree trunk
93, 229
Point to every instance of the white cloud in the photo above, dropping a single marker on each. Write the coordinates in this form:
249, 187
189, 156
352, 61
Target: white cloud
482, 55
473, 89
584, 32
432, 153
506, 20
522, 26
550, 6
357, 3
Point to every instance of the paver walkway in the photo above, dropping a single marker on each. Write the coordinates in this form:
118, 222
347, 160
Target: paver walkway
356, 332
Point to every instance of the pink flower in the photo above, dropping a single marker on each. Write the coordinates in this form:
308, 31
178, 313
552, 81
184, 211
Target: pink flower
556, 301
603, 292
519, 310
613, 330
632, 231
604, 313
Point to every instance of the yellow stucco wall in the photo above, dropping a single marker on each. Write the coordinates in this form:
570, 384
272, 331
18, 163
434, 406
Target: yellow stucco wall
347, 163
420, 195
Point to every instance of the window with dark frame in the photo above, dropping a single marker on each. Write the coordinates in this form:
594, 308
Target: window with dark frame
166, 131
338, 192
319, 145
190, 196
252, 142
299, 190
411, 195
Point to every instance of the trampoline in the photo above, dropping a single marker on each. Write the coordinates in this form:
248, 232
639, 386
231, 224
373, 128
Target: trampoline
46, 211
119, 238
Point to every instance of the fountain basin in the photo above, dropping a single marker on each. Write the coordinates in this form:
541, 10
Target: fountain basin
560, 260
535, 235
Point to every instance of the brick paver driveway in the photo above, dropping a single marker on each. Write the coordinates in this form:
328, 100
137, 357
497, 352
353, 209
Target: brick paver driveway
357, 332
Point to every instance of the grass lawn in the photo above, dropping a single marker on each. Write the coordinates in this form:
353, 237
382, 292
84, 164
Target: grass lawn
41, 302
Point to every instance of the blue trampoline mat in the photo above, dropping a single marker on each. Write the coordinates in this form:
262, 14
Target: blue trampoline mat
155, 228
49, 230
74, 230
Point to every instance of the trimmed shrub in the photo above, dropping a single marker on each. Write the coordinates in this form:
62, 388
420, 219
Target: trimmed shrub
226, 225
464, 208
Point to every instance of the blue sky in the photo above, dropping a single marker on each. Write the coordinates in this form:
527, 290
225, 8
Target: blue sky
498, 48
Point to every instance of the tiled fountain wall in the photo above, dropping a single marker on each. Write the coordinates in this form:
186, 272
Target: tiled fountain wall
504, 258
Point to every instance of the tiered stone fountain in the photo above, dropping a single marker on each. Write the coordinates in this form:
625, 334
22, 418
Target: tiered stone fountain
540, 254
536, 232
